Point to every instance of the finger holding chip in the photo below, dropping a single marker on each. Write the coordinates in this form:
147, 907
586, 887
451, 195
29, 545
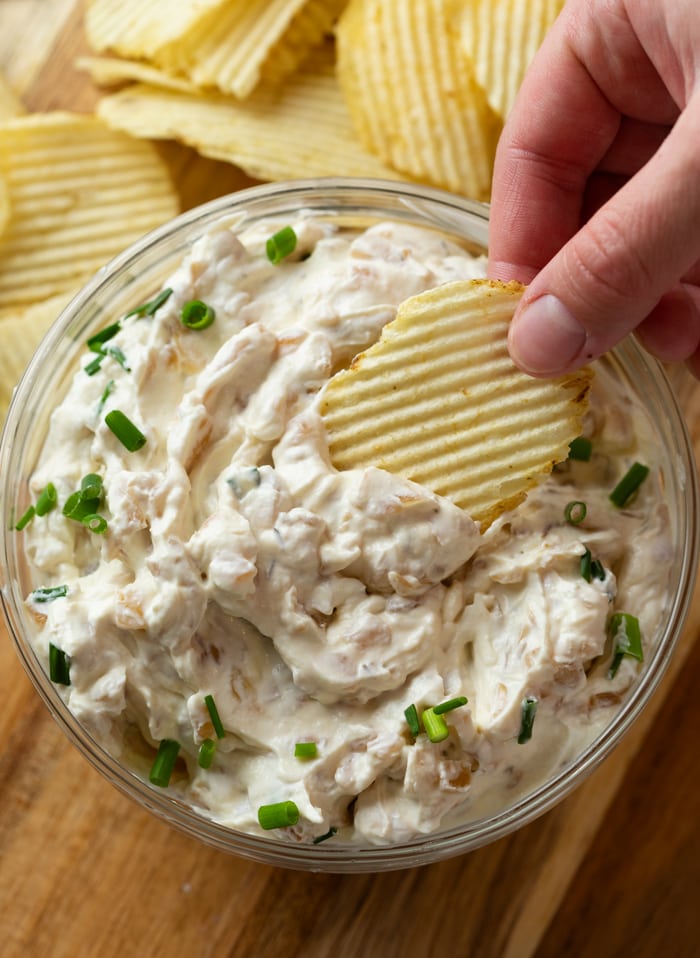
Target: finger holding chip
438, 401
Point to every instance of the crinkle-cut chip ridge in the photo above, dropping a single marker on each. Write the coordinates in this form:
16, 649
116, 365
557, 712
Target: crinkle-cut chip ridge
413, 95
137, 29
501, 37
302, 130
439, 401
79, 193
246, 41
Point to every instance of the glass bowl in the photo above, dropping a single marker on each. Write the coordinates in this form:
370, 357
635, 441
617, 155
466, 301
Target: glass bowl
128, 279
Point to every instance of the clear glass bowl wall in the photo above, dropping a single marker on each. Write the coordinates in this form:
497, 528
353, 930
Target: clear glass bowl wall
139, 271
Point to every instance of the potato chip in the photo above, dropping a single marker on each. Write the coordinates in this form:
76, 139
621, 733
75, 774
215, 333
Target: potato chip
501, 37
439, 401
21, 331
4, 205
233, 48
302, 130
413, 95
79, 193
114, 71
10, 103
138, 29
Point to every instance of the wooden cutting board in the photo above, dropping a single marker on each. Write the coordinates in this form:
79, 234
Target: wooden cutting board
612, 871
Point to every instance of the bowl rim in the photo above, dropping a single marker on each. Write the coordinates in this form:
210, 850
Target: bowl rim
328, 856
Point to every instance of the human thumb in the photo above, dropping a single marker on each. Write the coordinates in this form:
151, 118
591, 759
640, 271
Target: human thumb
609, 277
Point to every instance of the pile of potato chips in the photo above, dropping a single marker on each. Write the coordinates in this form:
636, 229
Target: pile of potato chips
405, 89
73, 193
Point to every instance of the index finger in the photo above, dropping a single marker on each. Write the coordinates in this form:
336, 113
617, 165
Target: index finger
565, 119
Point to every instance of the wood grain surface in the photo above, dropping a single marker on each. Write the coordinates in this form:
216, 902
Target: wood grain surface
612, 871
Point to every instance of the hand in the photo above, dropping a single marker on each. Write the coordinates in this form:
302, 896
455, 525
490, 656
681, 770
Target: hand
596, 191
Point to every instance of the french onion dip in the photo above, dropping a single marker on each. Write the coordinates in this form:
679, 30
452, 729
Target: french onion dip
297, 651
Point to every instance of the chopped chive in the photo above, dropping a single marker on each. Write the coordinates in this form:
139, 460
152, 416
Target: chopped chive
629, 484
47, 499
450, 704
92, 367
206, 752
597, 570
95, 523
575, 512
627, 639
129, 435
281, 244
305, 750
77, 508
118, 356
580, 449
434, 725
25, 518
164, 762
49, 593
105, 395
278, 815
103, 335
591, 568
528, 709
197, 315
91, 486
323, 838
411, 714
150, 308
214, 716
244, 481
59, 666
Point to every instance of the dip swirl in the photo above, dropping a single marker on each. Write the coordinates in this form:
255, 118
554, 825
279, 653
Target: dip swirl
313, 606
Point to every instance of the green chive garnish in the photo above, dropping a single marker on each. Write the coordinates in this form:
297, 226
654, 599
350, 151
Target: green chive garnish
91, 486
47, 499
118, 356
94, 364
105, 395
164, 762
305, 750
95, 523
591, 568
575, 512
197, 315
627, 640
129, 435
49, 593
78, 508
150, 308
214, 716
25, 519
411, 714
528, 709
103, 336
580, 449
434, 725
59, 666
206, 752
450, 704
278, 815
323, 838
281, 244
629, 484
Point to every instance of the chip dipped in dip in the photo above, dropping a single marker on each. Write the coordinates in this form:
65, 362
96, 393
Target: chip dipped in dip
298, 651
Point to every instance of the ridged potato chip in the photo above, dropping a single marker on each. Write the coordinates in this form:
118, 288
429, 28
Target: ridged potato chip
137, 29
4, 205
501, 37
113, 71
301, 131
246, 40
439, 401
413, 95
79, 193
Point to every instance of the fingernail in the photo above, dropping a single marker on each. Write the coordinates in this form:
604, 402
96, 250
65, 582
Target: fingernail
545, 337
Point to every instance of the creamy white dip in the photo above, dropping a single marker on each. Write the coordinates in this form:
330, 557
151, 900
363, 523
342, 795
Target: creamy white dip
313, 605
